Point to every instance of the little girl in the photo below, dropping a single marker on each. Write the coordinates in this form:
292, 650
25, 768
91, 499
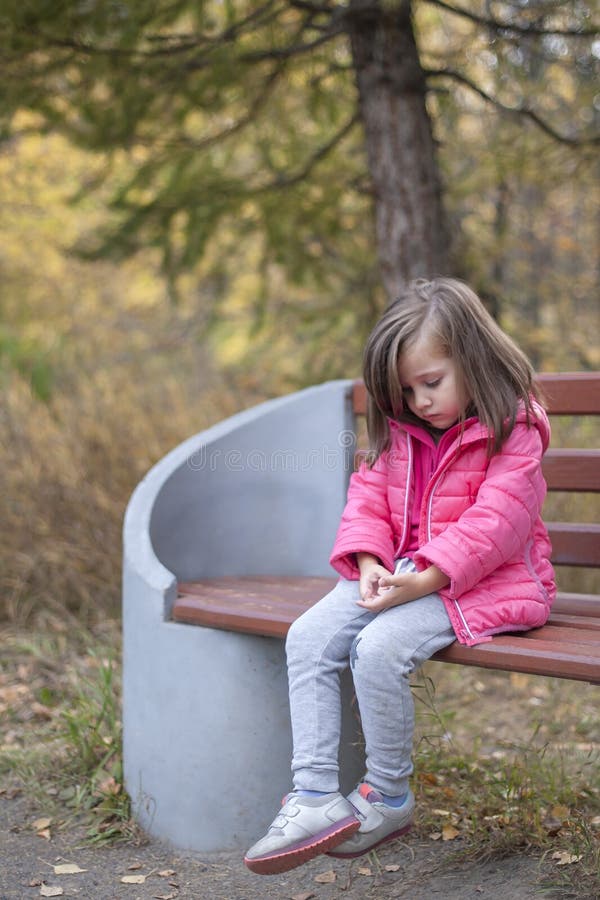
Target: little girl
441, 540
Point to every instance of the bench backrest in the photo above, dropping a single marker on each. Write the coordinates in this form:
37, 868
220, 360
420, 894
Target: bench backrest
565, 469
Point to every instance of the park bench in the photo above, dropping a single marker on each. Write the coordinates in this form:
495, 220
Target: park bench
226, 543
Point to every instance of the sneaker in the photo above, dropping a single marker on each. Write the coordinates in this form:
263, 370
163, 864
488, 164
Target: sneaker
304, 828
379, 822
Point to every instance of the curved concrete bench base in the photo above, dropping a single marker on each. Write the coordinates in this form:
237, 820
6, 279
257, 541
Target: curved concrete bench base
208, 737
206, 730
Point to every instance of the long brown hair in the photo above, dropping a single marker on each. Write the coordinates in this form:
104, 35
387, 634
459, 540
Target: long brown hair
496, 375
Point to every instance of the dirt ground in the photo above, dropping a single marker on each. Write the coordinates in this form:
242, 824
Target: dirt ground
413, 869
491, 711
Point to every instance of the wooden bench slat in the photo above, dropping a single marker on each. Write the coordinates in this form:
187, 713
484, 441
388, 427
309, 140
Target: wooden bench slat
268, 588
554, 632
580, 622
576, 604
246, 620
574, 544
572, 469
524, 654
571, 393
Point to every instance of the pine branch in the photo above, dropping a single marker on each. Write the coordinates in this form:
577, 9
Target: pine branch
523, 30
524, 111
254, 108
306, 5
292, 49
184, 43
285, 181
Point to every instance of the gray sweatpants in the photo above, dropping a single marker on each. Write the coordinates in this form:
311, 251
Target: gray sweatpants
382, 650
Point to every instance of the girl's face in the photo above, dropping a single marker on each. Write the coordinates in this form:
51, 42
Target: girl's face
430, 383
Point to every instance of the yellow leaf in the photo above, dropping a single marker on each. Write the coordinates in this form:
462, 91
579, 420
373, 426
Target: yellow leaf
68, 869
449, 832
441, 812
561, 812
364, 870
326, 877
44, 833
133, 879
40, 824
564, 858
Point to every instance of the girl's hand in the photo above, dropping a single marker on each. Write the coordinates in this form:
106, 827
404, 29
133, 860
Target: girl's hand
370, 576
392, 590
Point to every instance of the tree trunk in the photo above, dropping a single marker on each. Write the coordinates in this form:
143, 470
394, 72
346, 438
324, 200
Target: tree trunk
410, 221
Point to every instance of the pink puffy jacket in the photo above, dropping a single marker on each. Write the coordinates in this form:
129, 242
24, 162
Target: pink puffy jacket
480, 524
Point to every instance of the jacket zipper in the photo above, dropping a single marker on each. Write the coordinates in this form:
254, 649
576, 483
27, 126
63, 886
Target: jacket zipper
429, 505
402, 543
533, 574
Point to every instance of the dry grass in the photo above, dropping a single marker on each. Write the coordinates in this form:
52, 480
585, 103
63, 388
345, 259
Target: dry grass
509, 763
67, 469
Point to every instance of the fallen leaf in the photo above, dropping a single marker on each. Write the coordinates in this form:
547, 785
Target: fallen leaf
50, 890
560, 812
166, 896
35, 882
68, 869
428, 777
435, 835
109, 786
392, 867
564, 858
166, 873
44, 833
38, 709
40, 824
449, 832
364, 870
133, 879
595, 822
441, 812
307, 895
326, 877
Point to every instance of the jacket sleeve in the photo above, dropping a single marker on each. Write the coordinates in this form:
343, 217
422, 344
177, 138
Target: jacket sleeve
498, 525
366, 525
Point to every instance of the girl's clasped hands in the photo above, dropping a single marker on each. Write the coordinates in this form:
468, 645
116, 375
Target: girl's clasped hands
380, 589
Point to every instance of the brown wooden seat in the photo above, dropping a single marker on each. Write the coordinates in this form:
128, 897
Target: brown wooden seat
568, 646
